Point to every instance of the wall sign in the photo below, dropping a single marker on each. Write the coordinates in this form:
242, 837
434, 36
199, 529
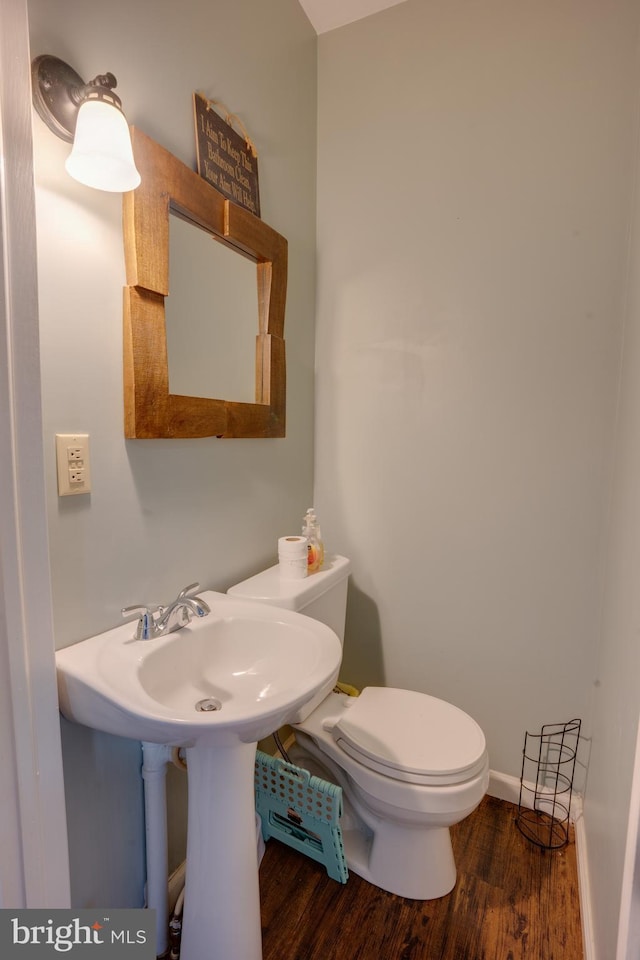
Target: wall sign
225, 158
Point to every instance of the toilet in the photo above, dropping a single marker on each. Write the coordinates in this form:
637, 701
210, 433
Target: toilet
410, 765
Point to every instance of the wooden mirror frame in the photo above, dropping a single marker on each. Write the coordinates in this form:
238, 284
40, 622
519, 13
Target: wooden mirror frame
150, 411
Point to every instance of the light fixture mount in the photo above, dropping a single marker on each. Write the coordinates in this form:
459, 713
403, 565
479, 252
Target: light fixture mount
59, 92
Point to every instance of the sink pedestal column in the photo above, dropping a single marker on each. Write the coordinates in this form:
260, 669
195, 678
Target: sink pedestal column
222, 896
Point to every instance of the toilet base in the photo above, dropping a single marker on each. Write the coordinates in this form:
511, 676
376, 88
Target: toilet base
413, 863
409, 860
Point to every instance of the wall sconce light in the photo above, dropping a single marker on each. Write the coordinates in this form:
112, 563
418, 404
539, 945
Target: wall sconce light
90, 116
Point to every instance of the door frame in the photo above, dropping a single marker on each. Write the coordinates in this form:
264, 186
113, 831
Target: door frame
629, 919
34, 867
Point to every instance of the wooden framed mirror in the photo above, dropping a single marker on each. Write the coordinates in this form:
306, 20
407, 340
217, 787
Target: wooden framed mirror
150, 409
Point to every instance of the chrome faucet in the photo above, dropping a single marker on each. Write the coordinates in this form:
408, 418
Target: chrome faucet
163, 620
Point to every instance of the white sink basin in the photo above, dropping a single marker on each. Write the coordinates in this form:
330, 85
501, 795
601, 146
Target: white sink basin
253, 665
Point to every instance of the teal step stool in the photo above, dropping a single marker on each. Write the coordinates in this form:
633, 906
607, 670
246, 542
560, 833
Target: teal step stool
302, 811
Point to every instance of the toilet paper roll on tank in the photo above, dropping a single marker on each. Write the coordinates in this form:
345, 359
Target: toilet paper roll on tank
292, 557
292, 550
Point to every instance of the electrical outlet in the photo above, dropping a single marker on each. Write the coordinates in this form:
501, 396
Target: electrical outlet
72, 456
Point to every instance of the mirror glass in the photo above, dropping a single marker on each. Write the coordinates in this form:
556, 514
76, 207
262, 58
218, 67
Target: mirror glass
210, 315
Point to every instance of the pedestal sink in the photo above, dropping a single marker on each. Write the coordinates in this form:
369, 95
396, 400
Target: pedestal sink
215, 687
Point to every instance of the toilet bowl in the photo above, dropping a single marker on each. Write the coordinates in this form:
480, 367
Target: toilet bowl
410, 765
403, 787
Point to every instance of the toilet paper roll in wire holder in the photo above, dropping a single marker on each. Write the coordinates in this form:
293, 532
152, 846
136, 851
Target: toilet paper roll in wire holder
546, 784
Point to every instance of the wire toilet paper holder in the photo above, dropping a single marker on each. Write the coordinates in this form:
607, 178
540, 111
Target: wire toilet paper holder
546, 784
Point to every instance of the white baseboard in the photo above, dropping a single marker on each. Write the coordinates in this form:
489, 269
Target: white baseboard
505, 787
584, 886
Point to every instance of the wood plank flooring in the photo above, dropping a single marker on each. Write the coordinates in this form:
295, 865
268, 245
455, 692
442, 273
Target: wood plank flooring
512, 901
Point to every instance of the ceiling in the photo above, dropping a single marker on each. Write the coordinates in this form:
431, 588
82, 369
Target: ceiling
328, 14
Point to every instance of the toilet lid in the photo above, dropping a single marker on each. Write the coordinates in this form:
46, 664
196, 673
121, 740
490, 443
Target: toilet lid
411, 736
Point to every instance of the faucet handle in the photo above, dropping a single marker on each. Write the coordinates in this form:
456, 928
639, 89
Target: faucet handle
200, 608
144, 629
189, 591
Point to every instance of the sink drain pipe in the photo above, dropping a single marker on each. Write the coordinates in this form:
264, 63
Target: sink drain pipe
155, 757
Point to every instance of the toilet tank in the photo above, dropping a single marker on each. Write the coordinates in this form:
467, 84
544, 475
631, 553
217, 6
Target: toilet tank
322, 595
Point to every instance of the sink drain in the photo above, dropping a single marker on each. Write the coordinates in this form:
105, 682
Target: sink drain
208, 704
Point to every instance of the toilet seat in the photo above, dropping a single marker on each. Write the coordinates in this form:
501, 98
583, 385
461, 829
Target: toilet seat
409, 736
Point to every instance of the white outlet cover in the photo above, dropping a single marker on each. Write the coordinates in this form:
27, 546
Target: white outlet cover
72, 457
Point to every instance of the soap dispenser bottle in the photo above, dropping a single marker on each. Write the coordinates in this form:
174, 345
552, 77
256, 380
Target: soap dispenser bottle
319, 540
313, 548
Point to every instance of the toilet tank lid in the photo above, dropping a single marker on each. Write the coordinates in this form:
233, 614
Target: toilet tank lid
269, 586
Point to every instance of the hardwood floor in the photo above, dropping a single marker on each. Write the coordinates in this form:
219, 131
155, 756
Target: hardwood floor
512, 901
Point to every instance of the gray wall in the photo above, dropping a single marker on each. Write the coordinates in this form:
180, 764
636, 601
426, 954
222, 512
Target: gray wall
162, 513
475, 172
473, 186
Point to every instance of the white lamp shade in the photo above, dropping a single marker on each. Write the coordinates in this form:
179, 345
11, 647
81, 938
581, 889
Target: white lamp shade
102, 156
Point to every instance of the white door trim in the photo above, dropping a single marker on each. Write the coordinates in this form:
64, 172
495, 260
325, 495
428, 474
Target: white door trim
34, 866
629, 921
